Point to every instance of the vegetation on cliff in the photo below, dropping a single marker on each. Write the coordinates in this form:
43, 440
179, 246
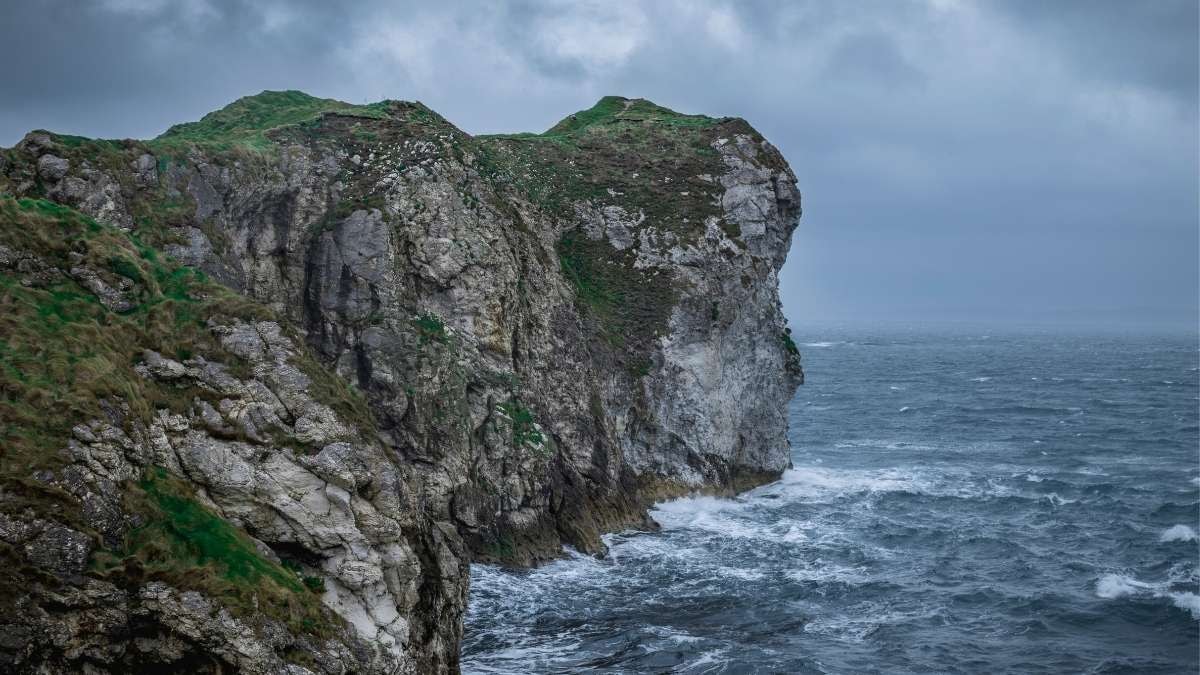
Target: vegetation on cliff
80, 302
659, 164
245, 122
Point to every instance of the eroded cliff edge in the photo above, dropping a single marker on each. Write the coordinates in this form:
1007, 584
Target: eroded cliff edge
272, 379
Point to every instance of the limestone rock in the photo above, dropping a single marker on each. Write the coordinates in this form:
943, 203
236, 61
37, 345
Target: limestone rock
539, 337
52, 168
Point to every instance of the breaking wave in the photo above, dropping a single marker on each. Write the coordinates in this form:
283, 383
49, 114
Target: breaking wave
1178, 533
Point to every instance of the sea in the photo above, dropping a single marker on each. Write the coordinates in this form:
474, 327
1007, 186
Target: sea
963, 499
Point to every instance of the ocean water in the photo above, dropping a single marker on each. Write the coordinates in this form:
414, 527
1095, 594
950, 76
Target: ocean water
962, 501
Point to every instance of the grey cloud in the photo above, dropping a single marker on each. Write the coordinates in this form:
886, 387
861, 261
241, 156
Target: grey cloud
1149, 44
873, 58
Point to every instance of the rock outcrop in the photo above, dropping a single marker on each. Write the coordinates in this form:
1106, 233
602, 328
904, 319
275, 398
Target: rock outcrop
438, 348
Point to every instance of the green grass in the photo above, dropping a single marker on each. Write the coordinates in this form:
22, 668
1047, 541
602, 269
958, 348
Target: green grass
605, 110
789, 345
430, 328
584, 269
245, 122
126, 268
630, 152
188, 546
524, 428
629, 306
156, 211
66, 351
200, 537
614, 110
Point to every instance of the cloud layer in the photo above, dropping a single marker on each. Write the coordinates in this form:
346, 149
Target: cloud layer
1012, 160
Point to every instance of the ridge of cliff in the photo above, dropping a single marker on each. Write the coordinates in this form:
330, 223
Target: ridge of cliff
308, 359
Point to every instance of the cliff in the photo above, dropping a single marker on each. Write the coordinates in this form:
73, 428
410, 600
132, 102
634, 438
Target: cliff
269, 381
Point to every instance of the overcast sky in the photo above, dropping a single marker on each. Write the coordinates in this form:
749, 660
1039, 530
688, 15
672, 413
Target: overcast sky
959, 160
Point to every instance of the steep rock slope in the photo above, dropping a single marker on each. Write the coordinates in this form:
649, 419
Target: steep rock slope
437, 348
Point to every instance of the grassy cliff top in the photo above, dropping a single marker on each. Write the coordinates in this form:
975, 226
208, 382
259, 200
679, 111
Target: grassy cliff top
615, 109
246, 120
633, 151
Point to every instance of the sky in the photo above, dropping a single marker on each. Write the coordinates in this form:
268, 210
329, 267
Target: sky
1007, 160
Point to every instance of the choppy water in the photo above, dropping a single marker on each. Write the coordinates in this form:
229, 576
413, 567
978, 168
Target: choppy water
960, 502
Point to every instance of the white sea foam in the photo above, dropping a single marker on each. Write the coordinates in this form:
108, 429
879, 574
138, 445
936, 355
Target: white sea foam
880, 443
504, 661
701, 504
901, 445
824, 572
673, 635
820, 344
743, 574
864, 443
1113, 586
708, 662
980, 379
1056, 500
1178, 533
1187, 601
819, 481
862, 619
905, 409
794, 535
817, 484
710, 514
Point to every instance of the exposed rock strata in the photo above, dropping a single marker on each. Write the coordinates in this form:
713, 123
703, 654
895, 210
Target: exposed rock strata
551, 332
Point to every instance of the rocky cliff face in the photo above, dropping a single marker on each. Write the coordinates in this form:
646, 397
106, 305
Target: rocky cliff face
303, 361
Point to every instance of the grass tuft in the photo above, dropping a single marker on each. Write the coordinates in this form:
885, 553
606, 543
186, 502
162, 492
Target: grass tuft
524, 427
184, 544
431, 328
